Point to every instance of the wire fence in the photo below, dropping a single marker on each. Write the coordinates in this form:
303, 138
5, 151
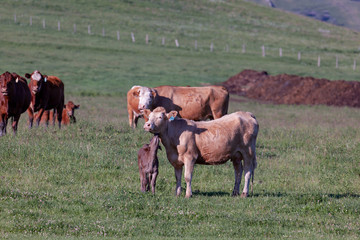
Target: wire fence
320, 59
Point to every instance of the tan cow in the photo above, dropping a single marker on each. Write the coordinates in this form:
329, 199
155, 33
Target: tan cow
231, 137
194, 103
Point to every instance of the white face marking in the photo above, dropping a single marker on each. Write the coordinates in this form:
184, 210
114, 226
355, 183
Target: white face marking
145, 98
36, 76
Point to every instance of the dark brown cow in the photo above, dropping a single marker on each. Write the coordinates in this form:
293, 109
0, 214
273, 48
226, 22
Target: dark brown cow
193, 103
149, 164
68, 114
47, 92
15, 98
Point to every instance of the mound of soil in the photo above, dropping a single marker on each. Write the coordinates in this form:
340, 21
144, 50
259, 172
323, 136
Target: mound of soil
292, 89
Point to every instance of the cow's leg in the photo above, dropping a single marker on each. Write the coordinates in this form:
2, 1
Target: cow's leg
178, 172
238, 168
38, 116
15, 122
148, 180
248, 170
3, 124
53, 117
153, 182
59, 114
188, 177
131, 117
31, 116
136, 118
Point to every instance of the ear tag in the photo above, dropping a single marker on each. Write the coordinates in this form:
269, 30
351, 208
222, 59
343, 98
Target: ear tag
17, 80
45, 79
171, 118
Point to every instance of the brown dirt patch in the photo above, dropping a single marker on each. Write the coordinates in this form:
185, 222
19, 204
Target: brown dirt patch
292, 89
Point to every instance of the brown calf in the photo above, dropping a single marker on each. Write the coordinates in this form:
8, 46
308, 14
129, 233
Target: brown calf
14, 99
68, 114
47, 92
149, 164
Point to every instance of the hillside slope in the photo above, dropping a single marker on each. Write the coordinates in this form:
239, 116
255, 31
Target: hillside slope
78, 41
342, 13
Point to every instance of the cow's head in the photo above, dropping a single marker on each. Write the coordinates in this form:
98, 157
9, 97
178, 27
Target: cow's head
146, 97
7, 83
37, 80
70, 110
158, 119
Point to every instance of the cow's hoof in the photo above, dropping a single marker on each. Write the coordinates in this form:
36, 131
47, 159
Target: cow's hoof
244, 195
188, 196
234, 194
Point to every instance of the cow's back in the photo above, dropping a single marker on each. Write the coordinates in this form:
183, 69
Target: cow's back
220, 140
196, 103
20, 101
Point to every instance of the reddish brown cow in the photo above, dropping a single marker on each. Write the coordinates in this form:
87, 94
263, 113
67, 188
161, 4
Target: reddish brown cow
193, 103
47, 92
149, 164
68, 114
14, 99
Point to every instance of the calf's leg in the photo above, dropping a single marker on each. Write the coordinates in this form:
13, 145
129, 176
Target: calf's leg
153, 182
178, 172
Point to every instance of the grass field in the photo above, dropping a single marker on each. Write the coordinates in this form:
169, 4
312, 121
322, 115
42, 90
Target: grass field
82, 181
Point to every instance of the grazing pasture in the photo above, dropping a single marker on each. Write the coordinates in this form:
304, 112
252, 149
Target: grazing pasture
83, 182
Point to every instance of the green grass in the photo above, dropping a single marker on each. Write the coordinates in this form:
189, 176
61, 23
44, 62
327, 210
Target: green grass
82, 181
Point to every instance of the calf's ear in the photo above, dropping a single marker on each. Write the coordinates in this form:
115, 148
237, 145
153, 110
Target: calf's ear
27, 75
171, 115
146, 113
77, 106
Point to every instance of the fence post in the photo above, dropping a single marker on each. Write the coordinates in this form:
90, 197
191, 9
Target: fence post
280, 52
211, 47
30, 20
319, 61
243, 48
337, 62
163, 41
176, 43
89, 29
299, 56
103, 32
58, 25
227, 48
263, 50
132, 37
354, 66
44, 25
15, 18
147, 39
196, 45
74, 27
118, 35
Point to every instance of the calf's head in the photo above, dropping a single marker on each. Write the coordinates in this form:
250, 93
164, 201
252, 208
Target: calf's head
146, 97
70, 110
158, 119
7, 83
36, 81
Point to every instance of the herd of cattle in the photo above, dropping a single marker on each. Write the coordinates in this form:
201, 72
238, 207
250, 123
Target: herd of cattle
176, 116
43, 98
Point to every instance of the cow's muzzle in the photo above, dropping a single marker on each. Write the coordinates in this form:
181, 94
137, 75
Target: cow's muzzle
148, 127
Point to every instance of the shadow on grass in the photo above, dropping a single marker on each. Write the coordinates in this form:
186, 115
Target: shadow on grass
211, 194
305, 195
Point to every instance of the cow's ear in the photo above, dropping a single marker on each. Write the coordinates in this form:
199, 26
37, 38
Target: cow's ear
153, 92
172, 115
27, 75
136, 93
146, 113
77, 106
